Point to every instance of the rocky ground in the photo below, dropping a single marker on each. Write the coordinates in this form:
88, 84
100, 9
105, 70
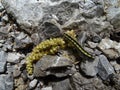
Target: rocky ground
25, 23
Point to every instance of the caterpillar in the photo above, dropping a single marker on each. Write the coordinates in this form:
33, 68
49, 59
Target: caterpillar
78, 46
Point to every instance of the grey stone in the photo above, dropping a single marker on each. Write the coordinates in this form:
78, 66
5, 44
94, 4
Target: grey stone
36, 11
20, 84
22, 41
114, 16
97, 52
105, 69
78, 23
96, 39
27, 40
94, 11
113, 62
3, 30
3, 59
10, 68
6, 82
53, 65
47, 88
8, 44
82, 37
98, 25
1, 24
16, 73
51, 29
31, 14
101, 2
90, 67
5, 18
2, 41
79, 82
113, 12
92, 44
117, 68
62, 85
1, 7
31, 77
14, 57
21, 36
89, 4
24, 75
33, 83
21, 8
36, 38
1, 45
110, 48
111, 3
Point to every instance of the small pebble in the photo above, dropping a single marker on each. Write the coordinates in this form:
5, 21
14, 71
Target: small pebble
96, 39
92, 44
16, 73
5, 18
33, 83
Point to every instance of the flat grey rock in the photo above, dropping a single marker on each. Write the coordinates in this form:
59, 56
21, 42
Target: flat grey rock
3, 59
79, 82
105, 69
114, 17
110, 48
14, 57
62, 85
53, 65
99, 25
90, 67
33, 83
22, 41
6, 82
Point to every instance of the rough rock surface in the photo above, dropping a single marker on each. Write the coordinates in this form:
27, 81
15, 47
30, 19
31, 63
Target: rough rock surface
53, 65
14, 57
110, 48
90, 67
6, 82
79, 82
3, 60
33, 83
36, 11
25, 23
62, 85
105, 69
63, 11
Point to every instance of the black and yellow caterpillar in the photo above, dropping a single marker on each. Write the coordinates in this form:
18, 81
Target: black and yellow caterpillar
78, 46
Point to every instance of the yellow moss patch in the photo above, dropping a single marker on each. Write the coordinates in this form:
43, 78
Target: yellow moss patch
50, 46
